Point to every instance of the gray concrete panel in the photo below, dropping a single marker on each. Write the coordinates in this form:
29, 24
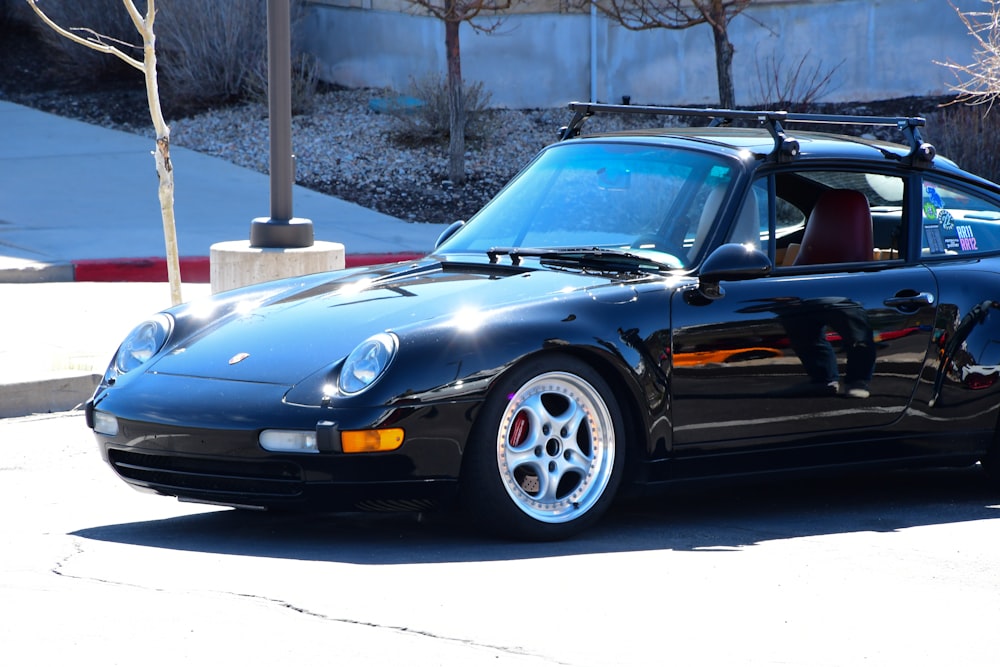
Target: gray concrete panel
888, 49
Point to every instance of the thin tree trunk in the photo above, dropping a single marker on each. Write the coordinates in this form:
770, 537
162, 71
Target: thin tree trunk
456, 105
164, 167
723, 56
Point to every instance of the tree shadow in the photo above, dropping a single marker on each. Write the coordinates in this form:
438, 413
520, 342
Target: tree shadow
707, 517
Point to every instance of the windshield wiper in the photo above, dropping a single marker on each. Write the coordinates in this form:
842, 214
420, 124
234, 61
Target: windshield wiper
605, 259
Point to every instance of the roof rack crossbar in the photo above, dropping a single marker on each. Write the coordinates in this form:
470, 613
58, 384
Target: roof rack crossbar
784, 147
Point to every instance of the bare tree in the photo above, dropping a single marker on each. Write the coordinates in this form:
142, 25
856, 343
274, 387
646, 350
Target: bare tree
682, 14
979, 82
793, 88
164, 168
453, 13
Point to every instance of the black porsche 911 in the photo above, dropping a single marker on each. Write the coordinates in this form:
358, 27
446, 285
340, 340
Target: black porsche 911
631, 310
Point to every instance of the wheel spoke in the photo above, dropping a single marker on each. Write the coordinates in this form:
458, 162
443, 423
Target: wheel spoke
568, 423
552, 478
523, 456
575, 460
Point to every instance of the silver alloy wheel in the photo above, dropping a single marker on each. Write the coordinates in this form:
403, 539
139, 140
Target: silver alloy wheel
556, 447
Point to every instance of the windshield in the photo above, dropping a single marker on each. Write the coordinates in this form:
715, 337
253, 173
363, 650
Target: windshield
654, 201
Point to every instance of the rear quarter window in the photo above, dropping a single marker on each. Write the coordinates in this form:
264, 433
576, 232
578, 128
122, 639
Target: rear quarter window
956, 222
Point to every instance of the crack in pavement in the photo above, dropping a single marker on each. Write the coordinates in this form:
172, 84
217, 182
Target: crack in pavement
511, 650
79, 549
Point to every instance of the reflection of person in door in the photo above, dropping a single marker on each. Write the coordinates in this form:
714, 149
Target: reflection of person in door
807, 322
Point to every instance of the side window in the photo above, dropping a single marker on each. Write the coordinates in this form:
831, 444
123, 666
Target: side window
838, 217
754, 222
788, 218
955, 222
751, 225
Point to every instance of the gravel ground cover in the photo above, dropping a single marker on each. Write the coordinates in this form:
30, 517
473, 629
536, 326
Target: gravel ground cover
348, 150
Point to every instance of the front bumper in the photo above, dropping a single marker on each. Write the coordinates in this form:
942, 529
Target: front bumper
227, 466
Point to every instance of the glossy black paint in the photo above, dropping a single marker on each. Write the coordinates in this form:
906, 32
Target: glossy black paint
706, 364
444, 370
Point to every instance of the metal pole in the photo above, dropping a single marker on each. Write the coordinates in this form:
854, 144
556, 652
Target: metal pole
279, 102
593, 51
281, 230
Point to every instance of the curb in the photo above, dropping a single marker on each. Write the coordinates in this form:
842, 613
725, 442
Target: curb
54, 394
152, 269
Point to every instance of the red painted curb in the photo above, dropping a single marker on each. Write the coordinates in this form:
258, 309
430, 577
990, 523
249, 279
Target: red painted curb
193, 269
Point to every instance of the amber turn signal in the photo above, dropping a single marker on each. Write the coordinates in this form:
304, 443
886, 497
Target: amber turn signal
376, 440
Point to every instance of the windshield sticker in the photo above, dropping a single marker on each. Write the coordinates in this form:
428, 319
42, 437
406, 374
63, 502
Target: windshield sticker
933, 196
930, 211
966, 239
946, 219
935, 243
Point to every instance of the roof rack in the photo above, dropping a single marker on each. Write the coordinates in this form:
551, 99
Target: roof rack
785, 148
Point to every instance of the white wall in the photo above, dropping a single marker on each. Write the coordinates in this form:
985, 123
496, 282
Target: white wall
544, 60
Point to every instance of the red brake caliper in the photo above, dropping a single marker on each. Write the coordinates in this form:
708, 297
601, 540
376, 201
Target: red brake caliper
519, 430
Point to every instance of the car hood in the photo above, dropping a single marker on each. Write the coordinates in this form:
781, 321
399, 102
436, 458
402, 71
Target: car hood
297, 334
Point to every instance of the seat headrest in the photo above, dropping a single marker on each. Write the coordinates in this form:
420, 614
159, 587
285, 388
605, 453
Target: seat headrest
839, 229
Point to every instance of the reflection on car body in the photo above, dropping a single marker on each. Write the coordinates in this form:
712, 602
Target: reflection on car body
631, 310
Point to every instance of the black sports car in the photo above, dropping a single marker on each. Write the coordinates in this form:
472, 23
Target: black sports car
631, 310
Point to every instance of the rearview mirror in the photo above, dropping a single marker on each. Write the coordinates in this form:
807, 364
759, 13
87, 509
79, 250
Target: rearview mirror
449, 232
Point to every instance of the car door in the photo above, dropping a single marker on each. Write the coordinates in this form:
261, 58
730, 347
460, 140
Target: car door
810, 355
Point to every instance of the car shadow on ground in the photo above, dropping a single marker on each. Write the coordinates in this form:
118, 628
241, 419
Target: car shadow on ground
713, 517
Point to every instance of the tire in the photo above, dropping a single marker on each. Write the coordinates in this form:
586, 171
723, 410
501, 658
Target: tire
546, 455
991, 462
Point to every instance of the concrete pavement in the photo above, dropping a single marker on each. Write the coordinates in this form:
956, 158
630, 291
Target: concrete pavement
57, 337
78, 204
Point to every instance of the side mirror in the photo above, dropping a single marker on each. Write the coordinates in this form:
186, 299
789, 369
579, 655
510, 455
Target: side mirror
449, 232
732, 261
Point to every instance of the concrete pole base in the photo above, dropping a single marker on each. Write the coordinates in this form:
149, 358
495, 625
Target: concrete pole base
235, 264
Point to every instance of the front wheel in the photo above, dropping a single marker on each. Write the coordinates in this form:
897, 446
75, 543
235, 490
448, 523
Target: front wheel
547, 452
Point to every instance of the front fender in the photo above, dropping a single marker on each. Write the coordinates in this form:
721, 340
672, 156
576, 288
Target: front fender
460, 359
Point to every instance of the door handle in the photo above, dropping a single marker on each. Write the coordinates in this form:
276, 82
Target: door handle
910, 301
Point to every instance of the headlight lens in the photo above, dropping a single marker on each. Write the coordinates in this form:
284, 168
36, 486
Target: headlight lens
140, 345
367, 362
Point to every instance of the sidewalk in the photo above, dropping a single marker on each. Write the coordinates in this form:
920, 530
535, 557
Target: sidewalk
78, 201
58, 337
78, 207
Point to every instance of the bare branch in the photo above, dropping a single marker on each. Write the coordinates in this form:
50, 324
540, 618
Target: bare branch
979, 82
680, 15
670, 14
795, 87
143, 25
467, 11
97, 42
650, 14
718, 13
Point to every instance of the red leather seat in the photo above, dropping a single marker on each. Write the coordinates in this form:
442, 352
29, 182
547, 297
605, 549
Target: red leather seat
839, 229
